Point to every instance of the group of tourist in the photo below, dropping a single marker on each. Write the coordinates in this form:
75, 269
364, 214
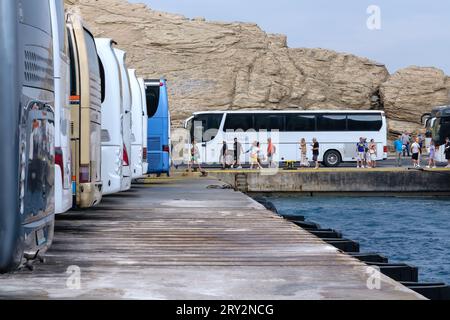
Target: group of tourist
414, 148
366, 153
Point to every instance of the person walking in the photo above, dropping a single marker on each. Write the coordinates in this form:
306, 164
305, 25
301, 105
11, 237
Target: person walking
271, 150
415, 150
432, 156
254, 151
195, 156
373, 153
398, 146
223, 154
406, 140
237, 153
303, 151
447, 151
316, 150
360, 153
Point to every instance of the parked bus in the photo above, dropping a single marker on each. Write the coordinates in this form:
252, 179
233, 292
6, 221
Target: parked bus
437, 124
144, 127
158, 127
112, 139
336, 131
27, 126
85, 100
126, 119
137, 126
63, 171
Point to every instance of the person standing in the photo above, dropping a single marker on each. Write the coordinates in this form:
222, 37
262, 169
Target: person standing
415, 150
271, 150
316, 150
373, 153
223, 154
398, 146
237, 153
303, 150
366, 154
260, 154
432, 156
447, 151
360, 153
406, 140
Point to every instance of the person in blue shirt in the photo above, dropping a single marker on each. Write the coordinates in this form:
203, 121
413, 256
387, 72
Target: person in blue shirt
398, 145
360, 153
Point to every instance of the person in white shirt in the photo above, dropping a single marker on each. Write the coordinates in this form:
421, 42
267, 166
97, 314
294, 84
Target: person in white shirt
416, 150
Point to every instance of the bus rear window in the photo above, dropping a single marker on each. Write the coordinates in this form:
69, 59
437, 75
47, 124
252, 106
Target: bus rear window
152, 97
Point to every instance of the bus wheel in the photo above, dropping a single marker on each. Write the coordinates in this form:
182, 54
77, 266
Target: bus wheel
332, 158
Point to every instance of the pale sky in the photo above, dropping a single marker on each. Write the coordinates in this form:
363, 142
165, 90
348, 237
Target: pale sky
414, 32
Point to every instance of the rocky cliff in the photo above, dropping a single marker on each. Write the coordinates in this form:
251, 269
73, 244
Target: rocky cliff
225, 65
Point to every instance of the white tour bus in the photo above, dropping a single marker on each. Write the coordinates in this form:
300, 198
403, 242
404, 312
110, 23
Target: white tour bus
136, 128
61, 70
126, 119
112, 140
336, 131
144, 126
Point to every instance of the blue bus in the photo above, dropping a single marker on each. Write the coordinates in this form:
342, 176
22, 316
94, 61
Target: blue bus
158, 149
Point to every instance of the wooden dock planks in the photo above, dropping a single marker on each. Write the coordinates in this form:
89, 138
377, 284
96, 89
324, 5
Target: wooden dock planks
181, 239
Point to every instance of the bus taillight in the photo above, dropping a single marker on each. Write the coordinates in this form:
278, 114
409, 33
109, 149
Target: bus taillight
144, 154
125, 160
84, 173
59, 161
165, 148
385, 149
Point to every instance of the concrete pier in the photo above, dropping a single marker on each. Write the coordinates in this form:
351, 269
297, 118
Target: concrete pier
340, 180
187, 238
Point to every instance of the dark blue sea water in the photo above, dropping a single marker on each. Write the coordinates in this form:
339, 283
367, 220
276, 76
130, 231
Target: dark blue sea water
410, 230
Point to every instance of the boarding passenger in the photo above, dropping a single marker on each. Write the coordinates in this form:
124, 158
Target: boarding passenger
398, 145
237, 153
303, 150
360, 153
223, 155
260, 155
406, 140
432, 156
271, 150
195, 157
447, 151
415, 150
373, 153
254, 151
316, 148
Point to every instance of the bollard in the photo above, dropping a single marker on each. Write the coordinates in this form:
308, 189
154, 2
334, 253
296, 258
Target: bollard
326, 233
432, 291
307, 225
370, 257
345, 245
398, 271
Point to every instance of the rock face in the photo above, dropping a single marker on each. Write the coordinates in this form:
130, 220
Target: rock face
230, 66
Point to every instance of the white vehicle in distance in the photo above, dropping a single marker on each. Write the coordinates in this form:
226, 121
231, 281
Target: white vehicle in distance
61, 70
126, 119
144, 127
337, 132
137, 126
112, 140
